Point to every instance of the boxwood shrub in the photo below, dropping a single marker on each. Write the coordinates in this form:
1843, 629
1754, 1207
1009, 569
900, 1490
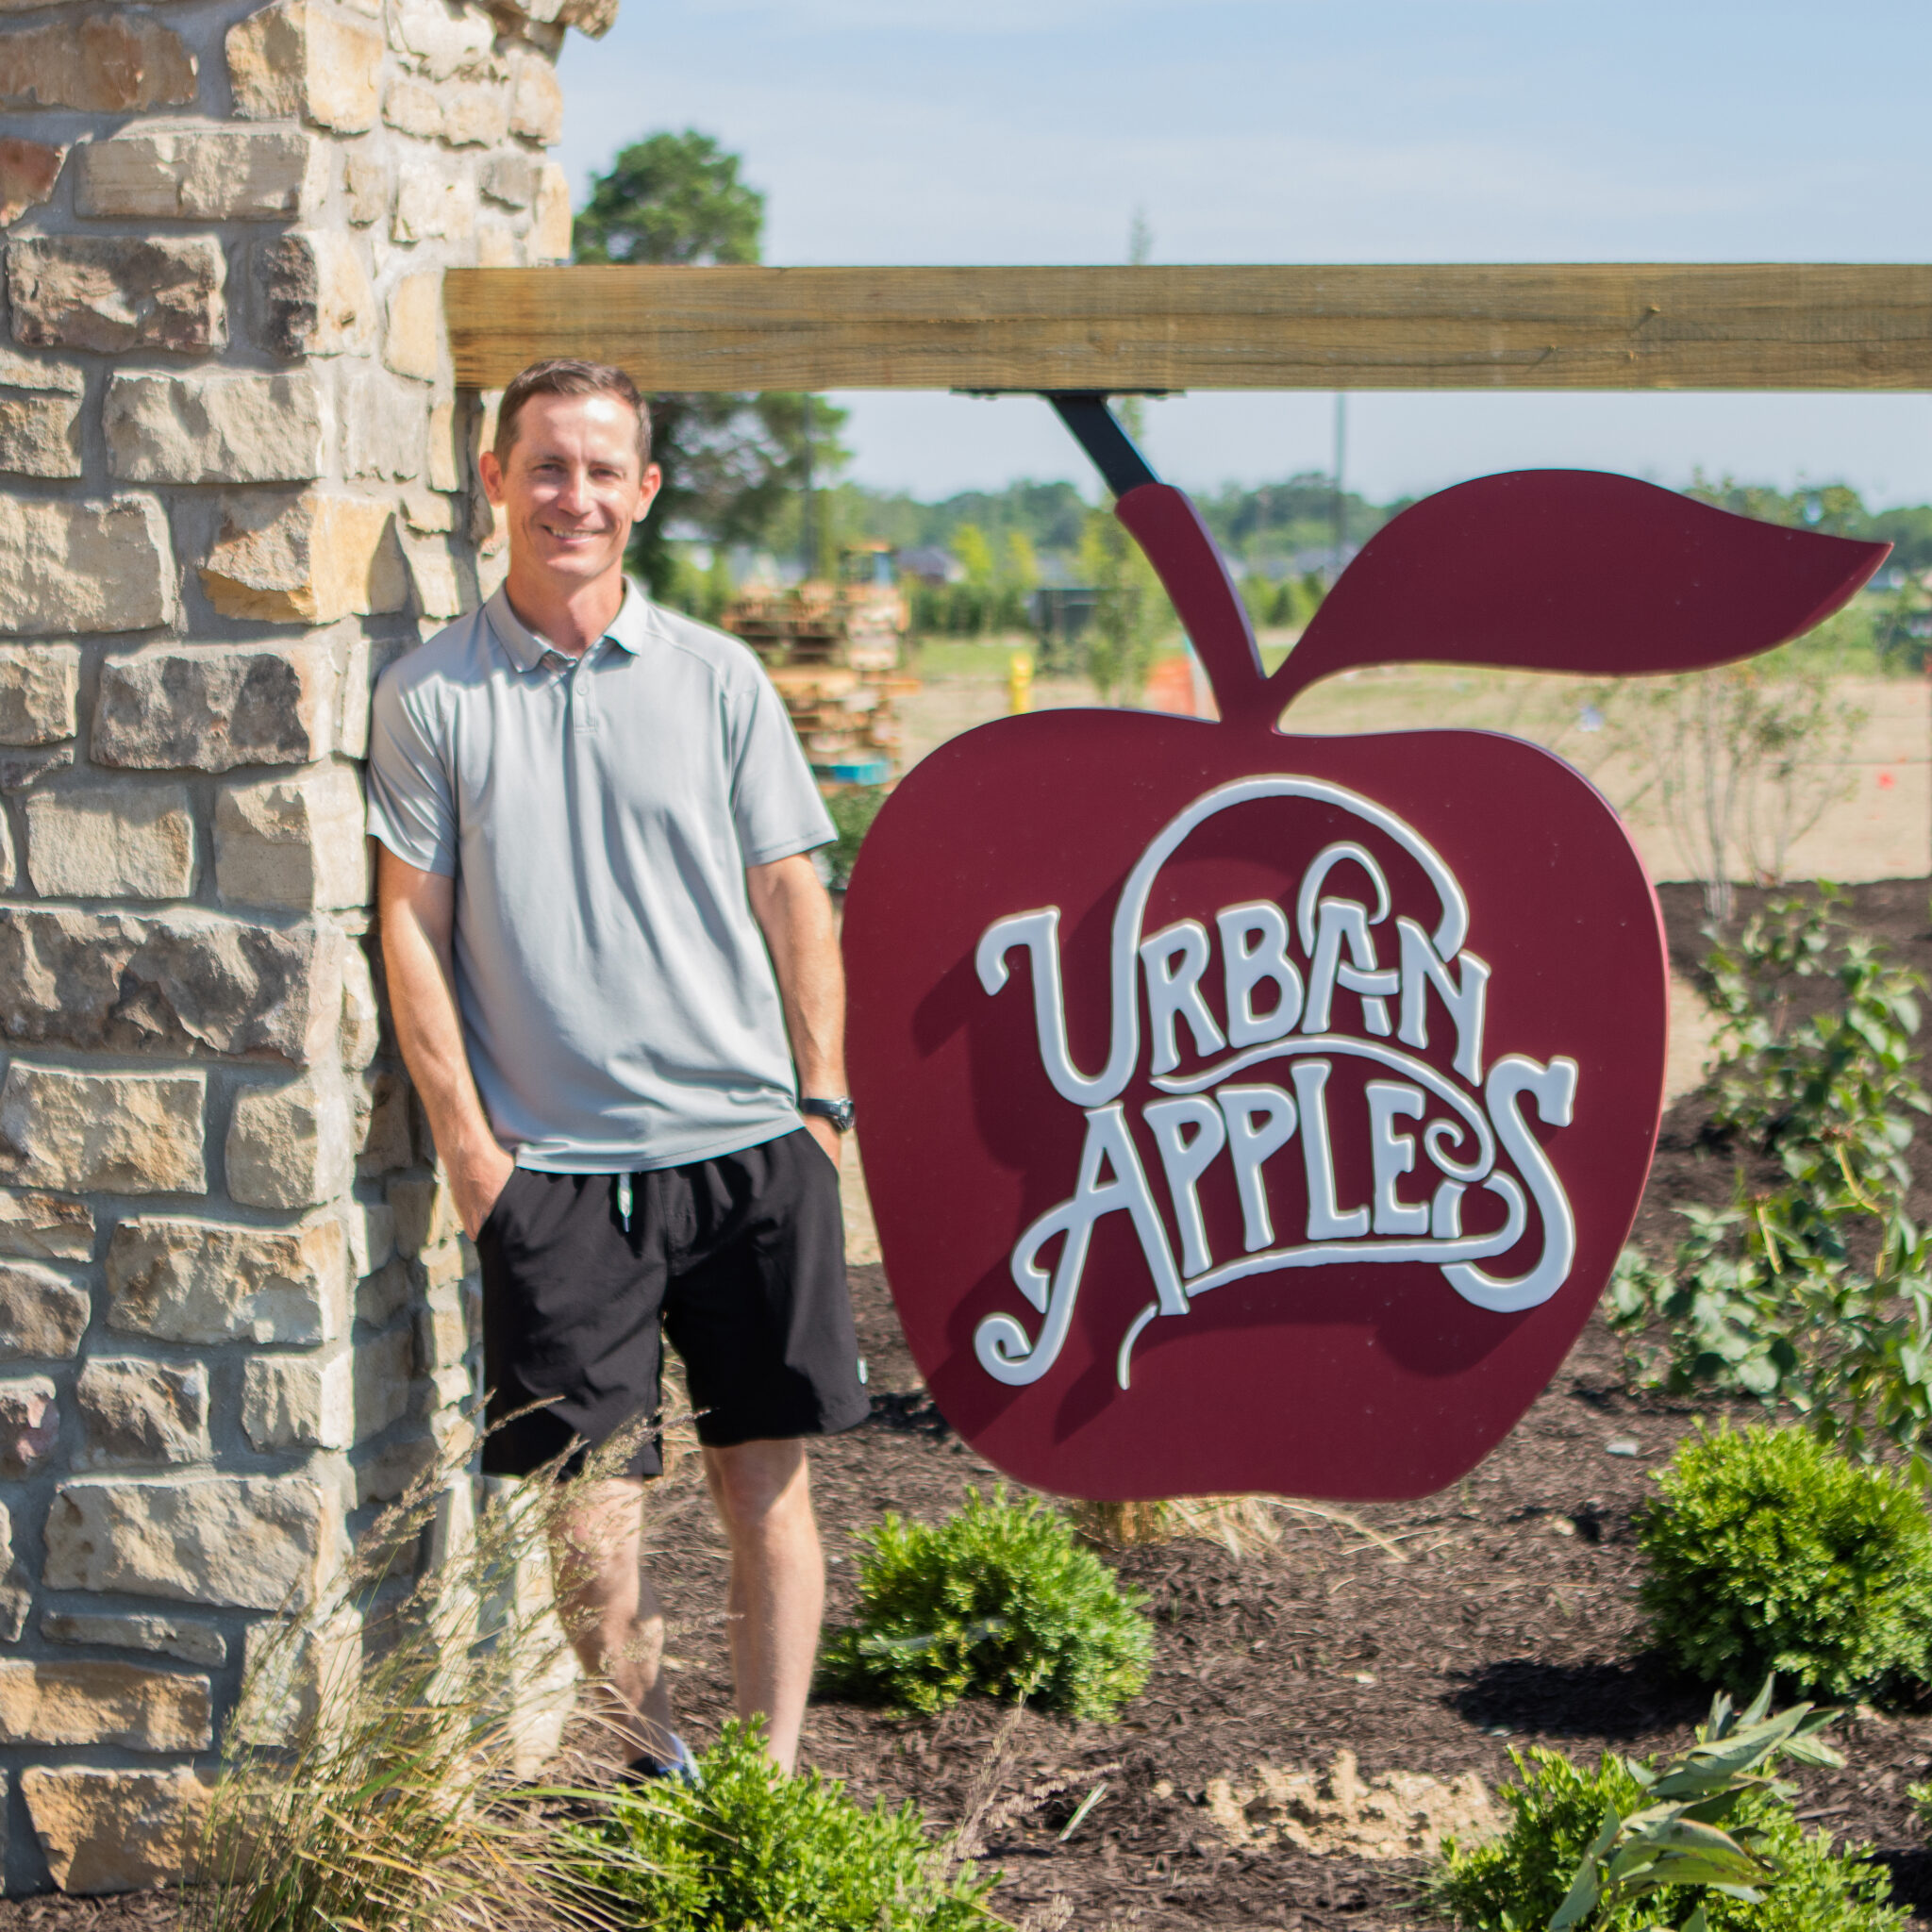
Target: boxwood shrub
999, 1599
1769, 1552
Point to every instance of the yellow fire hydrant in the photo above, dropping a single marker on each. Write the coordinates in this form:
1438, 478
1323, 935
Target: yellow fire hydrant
1019, 683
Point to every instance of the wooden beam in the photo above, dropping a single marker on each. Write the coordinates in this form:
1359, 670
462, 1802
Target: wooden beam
1591, 325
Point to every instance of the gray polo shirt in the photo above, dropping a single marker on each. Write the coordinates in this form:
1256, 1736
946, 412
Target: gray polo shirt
597, 814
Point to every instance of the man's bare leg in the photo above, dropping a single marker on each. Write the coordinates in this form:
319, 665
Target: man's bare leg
764, 1494
610, 1611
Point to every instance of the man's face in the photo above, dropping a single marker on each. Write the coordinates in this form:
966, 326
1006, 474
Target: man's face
570, 488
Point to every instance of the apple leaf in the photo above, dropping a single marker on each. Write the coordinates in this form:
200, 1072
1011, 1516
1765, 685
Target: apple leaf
1573, 570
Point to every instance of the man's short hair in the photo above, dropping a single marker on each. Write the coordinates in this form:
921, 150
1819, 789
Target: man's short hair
565, 375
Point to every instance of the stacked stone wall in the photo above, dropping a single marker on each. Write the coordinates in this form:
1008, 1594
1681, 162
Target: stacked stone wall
236, 1311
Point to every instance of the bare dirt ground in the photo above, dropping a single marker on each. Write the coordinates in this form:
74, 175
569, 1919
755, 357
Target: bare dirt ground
1424, 1641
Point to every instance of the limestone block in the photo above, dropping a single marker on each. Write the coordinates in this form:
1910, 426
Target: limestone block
290, 1146
382, 1124
536, 100
293, 59
443, 1264
111, 842
477, 116
383, 1294
7, 868
413, 107
100, 1702
297, 1402
549, 237
221, 175
432, 205
139, 1412
433, 572
445, 39
449, 1388
68, 567
384, 425
39, 693
110, 293
370, 1230
424, 1210
393, 1468
28, 170
199, 1281
413, 343
29, 1425
248, 1542
193, 1642
497, 247
366, 188
428, 512
442, 1340
355, 673
216, 427
114, 1830
312, 295
306, 560
445, 457
102, 1133
16, 1598
592, 18
298, 842
44, 1227
187, 983
510, 178
384, 1373
42, 1315
360, 1037
110, 64
293, 1675
40, 416
210, 710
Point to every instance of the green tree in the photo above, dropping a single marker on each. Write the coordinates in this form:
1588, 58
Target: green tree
730, 462
975, 553
1131, 615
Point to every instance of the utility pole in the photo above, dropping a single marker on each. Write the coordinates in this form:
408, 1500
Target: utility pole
1341, 463
808, 547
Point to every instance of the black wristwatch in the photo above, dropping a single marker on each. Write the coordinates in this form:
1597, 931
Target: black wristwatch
837, 1111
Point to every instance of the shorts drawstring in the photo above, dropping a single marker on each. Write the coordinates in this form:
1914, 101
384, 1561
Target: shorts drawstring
623, 1181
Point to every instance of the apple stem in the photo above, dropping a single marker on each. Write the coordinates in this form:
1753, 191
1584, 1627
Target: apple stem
1169, 529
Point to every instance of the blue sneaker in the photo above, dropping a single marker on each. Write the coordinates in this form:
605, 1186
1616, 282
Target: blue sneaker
649, 1767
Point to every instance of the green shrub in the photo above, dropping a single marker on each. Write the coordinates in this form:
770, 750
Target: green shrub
1520, 1882
853, 811
1818, 1292
750, 1847
1770, 1552
1000, 1599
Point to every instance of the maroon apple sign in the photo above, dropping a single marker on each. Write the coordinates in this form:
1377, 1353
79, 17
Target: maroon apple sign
1248, 1111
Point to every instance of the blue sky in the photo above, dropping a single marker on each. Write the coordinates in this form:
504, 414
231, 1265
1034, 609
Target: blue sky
1354, 130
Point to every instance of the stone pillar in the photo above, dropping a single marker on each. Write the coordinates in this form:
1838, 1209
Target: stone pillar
235, 479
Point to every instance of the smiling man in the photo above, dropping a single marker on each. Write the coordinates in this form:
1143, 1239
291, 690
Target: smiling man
615, 981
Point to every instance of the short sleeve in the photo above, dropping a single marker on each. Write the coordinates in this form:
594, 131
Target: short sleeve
412, 808
775, 800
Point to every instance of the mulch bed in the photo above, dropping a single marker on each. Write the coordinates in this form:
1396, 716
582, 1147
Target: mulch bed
1509, 1620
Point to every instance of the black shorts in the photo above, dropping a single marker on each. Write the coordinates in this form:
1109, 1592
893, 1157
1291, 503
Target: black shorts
741, 1260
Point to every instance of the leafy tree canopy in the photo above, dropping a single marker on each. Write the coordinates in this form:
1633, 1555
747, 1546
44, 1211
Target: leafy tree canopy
730, 462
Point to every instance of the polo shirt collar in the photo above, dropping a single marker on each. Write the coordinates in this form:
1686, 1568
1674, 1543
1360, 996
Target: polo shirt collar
528, 648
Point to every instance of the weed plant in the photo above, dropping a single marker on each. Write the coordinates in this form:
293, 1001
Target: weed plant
999, 1599
1706, 1844
749, 1847
1769, 1551
1816, 1292
376, 1733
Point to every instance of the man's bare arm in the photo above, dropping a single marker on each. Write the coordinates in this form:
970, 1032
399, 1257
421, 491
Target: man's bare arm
418, 912
795, 915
